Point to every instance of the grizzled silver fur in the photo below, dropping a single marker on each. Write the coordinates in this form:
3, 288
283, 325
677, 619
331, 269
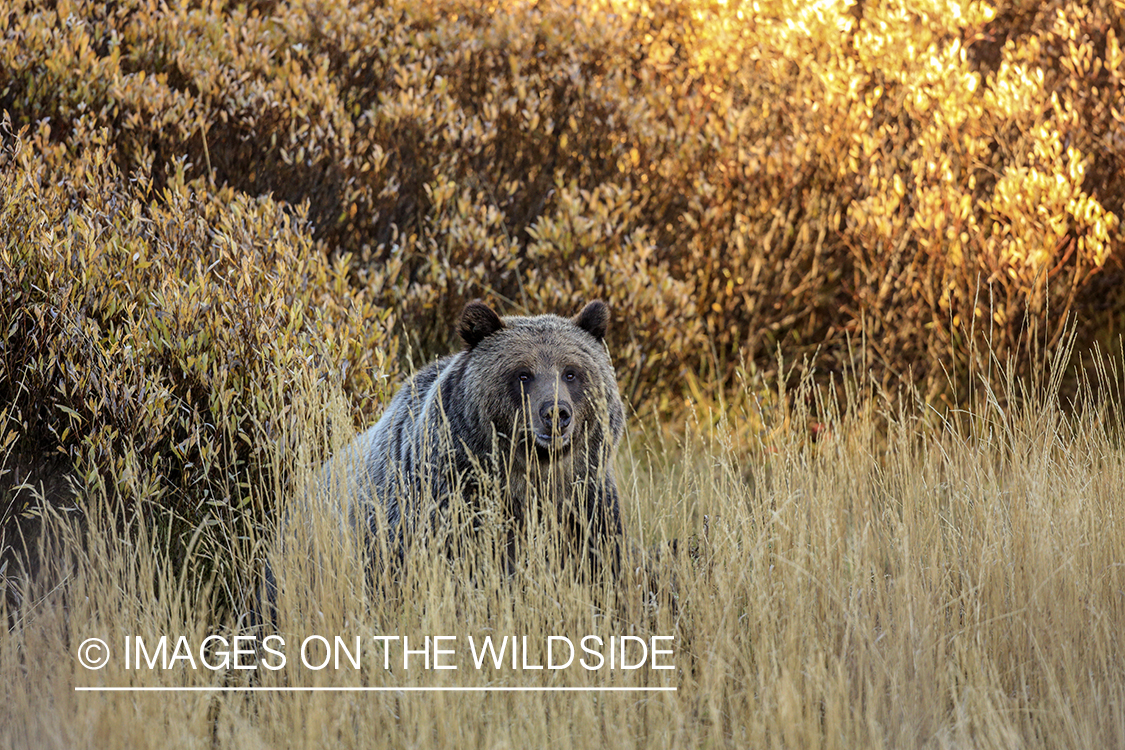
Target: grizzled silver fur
528, 410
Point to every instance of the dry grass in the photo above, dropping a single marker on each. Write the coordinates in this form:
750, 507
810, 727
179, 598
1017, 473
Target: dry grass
905, 581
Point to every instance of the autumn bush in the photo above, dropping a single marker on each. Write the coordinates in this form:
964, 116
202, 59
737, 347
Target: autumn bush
731, 176
151, 337
203, 201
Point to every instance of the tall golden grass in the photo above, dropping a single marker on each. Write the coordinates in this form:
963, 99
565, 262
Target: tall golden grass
906, 580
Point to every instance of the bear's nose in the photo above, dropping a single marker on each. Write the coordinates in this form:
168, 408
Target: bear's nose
556, 414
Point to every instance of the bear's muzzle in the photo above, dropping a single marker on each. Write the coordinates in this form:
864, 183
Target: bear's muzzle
553, 428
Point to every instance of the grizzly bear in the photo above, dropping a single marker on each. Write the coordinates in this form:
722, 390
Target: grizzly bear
528, 411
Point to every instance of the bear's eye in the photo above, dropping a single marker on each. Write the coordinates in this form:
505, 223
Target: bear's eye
570, 375
525, 376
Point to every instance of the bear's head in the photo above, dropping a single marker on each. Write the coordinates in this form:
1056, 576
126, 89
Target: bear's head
545, 381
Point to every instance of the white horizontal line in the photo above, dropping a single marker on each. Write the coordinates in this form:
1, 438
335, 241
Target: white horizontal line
501, 689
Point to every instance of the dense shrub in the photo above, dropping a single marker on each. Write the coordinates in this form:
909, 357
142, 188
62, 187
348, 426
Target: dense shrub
151, 341
211, 196
731, 176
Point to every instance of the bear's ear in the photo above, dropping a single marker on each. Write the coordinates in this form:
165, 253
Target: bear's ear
593, 319
478, 322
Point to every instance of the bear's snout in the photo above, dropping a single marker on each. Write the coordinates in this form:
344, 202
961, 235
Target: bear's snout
556, 416
552, 429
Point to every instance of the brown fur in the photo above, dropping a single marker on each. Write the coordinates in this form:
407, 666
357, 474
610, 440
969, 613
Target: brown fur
530, 407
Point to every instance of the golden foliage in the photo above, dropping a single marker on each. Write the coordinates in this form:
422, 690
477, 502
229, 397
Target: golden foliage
729, 175
207, 195
147, 332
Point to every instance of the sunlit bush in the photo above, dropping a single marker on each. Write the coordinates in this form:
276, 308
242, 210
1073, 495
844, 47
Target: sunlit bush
210, 197
730, 175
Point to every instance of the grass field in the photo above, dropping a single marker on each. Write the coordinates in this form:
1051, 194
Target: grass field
906, 580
